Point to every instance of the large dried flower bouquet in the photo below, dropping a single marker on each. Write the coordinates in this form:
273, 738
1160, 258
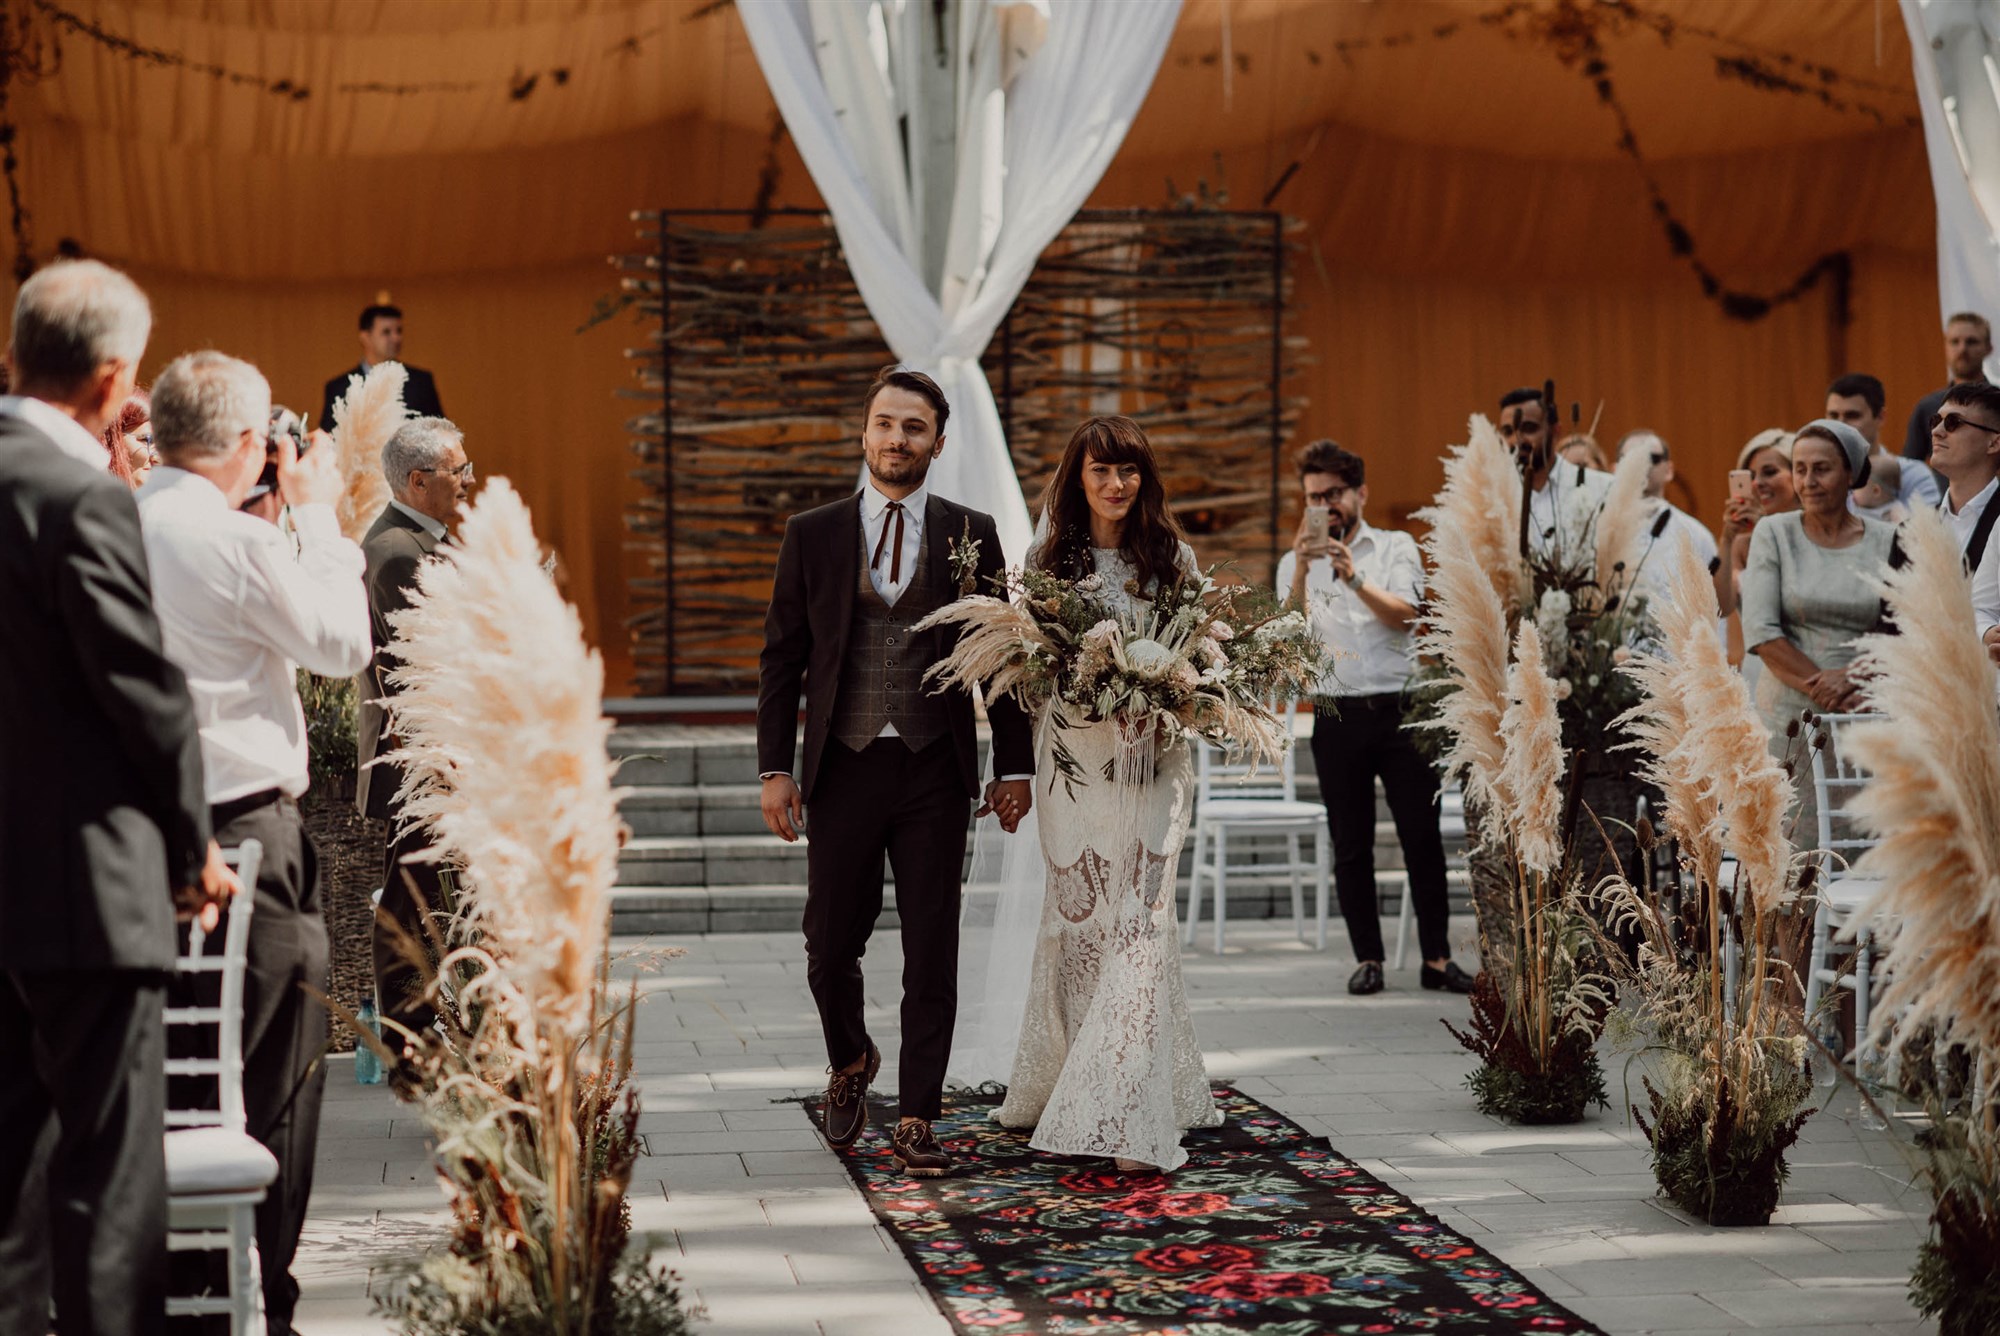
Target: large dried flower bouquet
1735, 1085
1202, 659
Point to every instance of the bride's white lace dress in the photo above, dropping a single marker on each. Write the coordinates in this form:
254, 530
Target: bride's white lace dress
1108, 1063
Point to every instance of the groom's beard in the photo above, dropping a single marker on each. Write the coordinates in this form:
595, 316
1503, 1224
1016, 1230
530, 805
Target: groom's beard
904, 471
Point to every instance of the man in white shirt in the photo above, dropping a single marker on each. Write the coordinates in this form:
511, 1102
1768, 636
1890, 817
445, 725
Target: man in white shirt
1360, 587
1965, 451
240, 611
1664, 537
1560, 495
1859, 401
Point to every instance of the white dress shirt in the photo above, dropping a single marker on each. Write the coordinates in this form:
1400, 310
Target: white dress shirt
1370, 657
1965, 519
1661, 555
60, 427
435, 528
875, 515
238, 609
1554, 503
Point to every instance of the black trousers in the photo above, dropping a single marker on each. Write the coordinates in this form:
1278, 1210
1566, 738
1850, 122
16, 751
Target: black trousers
398, 982
1350, 748
284, 1030
911, 807
83, 1170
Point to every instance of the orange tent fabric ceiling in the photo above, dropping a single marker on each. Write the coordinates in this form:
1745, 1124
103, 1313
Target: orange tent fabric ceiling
1469, 220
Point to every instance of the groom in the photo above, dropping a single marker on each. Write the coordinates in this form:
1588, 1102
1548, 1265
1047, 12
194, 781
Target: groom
890, 767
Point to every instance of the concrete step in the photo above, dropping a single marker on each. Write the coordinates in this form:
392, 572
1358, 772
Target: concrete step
693, 809
711, 860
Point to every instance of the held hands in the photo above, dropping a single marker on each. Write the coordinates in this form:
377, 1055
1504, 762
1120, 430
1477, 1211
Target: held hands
1833, 690
1740, 515
784, 810
1308, 545
1010, 800
312, 480
203, 900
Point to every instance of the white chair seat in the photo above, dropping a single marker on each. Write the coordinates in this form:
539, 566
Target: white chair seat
207, 1160
1844, 895
1244, 811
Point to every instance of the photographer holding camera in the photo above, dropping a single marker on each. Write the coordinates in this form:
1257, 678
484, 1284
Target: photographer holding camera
239, 608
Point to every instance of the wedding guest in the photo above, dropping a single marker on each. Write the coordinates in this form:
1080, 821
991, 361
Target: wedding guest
1360, 587
1583, 451
1859, 401
382, 341
1767, 458
1968, 342
1525, 426
428, 474
129, 440
1662, 550
1876, 499
1965, 450
103, 827
242, 612
1810, 589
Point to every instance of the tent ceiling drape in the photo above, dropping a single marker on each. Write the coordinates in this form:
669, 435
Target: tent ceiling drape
1470, 219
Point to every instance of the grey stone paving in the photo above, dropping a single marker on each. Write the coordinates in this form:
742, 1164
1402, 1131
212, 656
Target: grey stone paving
743, 1200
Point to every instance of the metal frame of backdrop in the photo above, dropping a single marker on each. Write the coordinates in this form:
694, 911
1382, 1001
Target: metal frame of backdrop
759, 346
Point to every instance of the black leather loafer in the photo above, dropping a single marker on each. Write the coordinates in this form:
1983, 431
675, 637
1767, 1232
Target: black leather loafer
847, 1101
1450, 977
917, 1147
1367, 979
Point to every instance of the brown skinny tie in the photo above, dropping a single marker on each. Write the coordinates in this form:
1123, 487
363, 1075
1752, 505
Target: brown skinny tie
895, 557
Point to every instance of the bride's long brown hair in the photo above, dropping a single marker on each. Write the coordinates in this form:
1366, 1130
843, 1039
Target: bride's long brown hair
1152, 536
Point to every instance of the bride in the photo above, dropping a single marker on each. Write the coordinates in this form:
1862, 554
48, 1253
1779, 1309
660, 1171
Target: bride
1107, 1063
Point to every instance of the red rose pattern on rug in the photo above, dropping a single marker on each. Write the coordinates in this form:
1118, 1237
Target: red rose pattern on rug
1265, 1230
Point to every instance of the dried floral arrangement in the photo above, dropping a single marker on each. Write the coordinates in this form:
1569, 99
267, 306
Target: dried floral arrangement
1201, 659
1735, 1085
1933, 802
525, 1083
364, 419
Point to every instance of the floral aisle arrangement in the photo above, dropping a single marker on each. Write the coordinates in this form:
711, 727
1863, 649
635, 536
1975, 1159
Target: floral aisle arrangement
1203, 659
1735, 1083
525, 1086
1933, 802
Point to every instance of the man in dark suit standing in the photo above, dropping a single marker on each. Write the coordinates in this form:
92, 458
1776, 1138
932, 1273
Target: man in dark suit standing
428, 474
382, 341
103, 828
890, 768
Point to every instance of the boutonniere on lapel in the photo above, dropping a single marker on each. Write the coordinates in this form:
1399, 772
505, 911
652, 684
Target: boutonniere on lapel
964, 552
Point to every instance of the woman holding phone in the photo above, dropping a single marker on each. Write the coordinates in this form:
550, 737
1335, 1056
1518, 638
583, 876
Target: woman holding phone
1759, 485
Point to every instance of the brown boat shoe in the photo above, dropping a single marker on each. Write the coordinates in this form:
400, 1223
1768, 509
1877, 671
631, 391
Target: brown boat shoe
917, 1147
847, 1101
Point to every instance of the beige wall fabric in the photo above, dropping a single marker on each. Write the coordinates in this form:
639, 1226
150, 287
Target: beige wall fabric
1470, 224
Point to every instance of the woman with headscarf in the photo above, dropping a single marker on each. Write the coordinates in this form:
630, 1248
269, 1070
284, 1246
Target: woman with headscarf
1809, 588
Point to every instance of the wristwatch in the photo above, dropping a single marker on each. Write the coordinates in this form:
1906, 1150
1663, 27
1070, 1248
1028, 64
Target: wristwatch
1356, 580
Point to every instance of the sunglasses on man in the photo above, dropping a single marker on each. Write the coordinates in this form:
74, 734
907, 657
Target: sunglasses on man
1951, 422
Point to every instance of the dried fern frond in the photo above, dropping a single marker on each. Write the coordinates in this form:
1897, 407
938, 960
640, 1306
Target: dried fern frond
363, 421
1480, 503
1468, 631
1933, 799
1529, 785
1621, 522
501, 712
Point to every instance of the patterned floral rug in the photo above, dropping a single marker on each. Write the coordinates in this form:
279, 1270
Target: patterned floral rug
1265, 1230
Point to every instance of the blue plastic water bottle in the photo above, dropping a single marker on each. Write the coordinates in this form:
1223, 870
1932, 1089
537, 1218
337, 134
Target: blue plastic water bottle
368, 1063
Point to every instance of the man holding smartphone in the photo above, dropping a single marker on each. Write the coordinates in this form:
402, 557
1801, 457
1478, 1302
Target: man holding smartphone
1360, 587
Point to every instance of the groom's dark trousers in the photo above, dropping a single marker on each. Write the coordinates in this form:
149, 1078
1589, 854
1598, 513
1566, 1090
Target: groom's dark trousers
859, 664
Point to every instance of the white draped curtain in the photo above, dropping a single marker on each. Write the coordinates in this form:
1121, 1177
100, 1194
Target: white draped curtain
1955, 45
1044, 93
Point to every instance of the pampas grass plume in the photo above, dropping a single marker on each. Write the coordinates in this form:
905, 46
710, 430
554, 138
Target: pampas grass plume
1468, 631
363, 421
1480, 502
501, 713
1933, 799
1621, 522
1529, 786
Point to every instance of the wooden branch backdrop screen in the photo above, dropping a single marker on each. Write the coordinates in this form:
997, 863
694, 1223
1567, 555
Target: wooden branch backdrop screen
760, 346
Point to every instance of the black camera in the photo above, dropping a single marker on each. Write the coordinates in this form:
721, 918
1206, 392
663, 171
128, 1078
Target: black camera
284, 422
